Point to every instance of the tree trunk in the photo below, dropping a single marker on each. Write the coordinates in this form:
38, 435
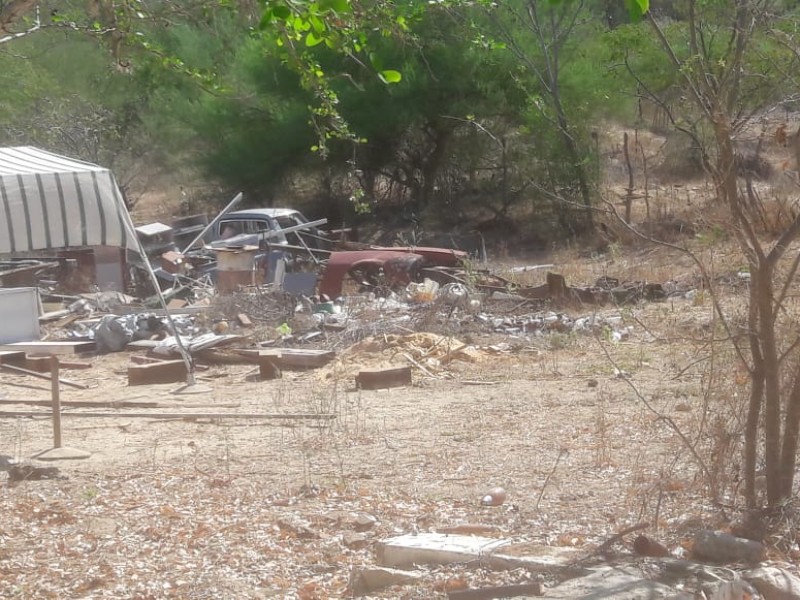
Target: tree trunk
757, 375
762, 279
791, 435
433, 164
576, 161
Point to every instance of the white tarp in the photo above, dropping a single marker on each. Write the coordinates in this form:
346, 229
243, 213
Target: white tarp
49, 201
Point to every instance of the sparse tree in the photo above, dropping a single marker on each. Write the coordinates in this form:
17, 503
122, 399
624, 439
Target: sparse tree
719, 51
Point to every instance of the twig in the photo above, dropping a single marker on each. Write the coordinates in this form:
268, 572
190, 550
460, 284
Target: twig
602, 548
561, 453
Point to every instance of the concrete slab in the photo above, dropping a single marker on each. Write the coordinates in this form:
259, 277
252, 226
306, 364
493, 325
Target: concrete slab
435, 549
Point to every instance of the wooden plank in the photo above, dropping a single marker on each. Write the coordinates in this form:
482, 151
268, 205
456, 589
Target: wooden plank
64, 347
174, 415
14, 369
41, 364
118, 404
16, 357
388, 377
295, 358
168, 371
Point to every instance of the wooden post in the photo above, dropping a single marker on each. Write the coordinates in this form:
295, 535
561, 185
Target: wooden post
55, 392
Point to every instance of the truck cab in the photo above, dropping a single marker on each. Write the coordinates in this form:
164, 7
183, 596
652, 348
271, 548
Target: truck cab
262, 227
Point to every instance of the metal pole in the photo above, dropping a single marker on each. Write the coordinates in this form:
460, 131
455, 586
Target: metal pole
55, 392
213, 222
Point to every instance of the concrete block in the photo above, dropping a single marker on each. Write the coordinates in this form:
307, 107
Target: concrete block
434, 549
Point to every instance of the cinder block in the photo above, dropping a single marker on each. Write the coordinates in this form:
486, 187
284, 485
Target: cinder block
168, 371
375, 379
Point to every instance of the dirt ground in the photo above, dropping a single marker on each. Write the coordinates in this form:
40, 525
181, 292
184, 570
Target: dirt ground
583, 430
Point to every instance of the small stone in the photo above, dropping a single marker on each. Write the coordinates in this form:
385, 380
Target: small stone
355, 541
724, 547
364, 522
645, 546
494, 497
371, 579
592, 383
298, 529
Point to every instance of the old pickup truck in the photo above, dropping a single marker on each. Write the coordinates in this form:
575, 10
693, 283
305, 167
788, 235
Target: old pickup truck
259, 226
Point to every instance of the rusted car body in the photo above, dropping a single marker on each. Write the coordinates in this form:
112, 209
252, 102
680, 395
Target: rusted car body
383, 267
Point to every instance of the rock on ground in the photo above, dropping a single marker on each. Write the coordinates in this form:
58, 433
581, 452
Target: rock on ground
615, 583
774, 583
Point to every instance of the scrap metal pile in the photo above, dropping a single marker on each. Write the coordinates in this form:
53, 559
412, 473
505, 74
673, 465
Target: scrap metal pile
267, 287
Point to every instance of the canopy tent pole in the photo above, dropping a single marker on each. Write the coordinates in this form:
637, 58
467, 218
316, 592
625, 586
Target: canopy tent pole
126, 217
214, 221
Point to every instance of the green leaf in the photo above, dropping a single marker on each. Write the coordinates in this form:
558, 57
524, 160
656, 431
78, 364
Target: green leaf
338, 6
316, 23
312, 39
281, 12
637, 9
390, 76
375, 61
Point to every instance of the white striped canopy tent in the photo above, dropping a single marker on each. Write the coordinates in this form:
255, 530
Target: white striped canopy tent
50, 201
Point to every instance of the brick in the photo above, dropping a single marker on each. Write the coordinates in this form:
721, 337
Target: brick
168, 371
375, 379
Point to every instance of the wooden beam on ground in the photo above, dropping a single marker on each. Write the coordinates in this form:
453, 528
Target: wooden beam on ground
389, 377
66, 382
12, 356
267, 362
117, 404
168, 371
175, 415
294, 358
37, 347
41, 364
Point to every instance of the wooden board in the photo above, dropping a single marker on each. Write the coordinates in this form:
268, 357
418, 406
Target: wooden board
12, 357
295, 358
168, 371
389, 377
65, 347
